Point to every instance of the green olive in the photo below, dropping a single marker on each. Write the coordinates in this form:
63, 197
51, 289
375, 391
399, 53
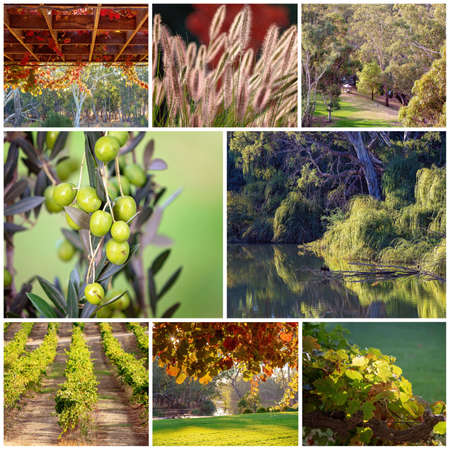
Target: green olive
100, 223
94, 293
66, 168
65, 250
124, 208
88, 200
136, 174
50, 204
117, 252
64, 194
121, 136
106, 148
50, 139
118, 315
126, 188
120, 231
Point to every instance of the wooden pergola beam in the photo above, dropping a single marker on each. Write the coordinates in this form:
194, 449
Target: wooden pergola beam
94, 32
46, 13
133, 34
16, 35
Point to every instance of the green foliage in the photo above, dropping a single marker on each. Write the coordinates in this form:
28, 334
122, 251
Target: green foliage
296, 220
131, 370
77, 396
27, 370
394, 231
427, 108
362, 385
369, 78
55, 119
141, 336
16, 347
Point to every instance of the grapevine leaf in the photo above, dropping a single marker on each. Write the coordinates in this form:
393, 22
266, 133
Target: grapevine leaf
353, 375
367, 409
440, 428
42, 306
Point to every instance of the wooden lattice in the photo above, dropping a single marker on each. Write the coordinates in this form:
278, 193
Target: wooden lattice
75, 33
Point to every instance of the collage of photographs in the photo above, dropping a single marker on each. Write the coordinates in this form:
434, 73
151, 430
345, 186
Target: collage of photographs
250, 197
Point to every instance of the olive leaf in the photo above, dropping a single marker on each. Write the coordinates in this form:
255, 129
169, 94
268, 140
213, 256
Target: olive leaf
42, 306
80, 217
157, 164
23, 205
16, 190
170, 311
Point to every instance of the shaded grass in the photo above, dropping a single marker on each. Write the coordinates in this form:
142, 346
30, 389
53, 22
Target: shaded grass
418, 347
350, 115
245, 429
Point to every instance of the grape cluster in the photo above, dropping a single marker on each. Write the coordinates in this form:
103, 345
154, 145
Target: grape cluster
101, 221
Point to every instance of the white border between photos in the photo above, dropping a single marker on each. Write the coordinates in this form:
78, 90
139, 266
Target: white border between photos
224, 211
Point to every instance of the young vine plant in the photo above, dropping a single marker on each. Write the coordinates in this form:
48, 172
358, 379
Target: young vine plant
354, 396
110, 222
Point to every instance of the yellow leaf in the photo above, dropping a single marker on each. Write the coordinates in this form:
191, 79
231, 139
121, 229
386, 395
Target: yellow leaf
181, 378
205, 379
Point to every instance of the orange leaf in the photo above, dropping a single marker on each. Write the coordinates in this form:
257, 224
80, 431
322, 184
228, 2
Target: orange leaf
172, 370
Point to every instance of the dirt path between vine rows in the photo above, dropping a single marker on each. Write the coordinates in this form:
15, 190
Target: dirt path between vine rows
116, 422
35, 422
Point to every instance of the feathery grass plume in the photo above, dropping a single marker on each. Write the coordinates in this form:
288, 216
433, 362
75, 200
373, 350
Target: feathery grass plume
245, 27
191, 53
217, 22
157, 28
215, 46
196, 84
228, 86
242, 89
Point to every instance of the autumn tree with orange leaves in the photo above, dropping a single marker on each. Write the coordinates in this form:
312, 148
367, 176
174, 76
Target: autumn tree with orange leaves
202, 351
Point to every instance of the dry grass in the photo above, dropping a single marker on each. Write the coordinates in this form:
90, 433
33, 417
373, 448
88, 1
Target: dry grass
243, 89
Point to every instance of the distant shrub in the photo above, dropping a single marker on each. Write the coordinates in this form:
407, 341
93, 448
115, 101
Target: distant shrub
247, 411
55, 119
261, 410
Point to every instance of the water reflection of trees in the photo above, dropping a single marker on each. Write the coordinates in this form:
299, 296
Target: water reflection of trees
275, 281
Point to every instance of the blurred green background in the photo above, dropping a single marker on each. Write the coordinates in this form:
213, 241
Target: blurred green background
193, 221
418, 347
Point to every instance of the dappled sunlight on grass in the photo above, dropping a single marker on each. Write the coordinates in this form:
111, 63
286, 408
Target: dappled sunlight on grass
245, 429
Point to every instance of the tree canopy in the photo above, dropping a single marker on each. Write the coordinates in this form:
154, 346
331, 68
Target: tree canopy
203, 350
337, 40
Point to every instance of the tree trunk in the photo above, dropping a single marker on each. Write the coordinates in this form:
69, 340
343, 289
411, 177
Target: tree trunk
17, 108
386, 96
372, 94
363, 155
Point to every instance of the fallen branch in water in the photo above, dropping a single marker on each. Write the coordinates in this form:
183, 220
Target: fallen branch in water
378, 272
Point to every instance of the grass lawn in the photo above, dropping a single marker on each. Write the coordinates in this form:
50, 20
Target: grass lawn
356, 110
244, 429
418, 347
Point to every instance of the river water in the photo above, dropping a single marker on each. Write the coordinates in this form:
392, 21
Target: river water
275, 281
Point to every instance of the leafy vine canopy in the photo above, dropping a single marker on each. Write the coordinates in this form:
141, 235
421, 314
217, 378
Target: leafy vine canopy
354, 396
204, 350
52, 46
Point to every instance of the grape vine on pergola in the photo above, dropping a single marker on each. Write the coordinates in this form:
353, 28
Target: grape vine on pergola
68, 34
57, 47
